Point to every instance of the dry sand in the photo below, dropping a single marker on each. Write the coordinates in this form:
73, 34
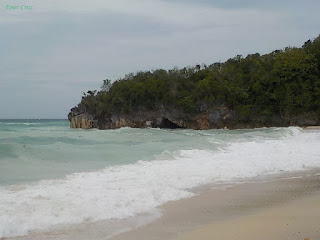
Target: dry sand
277, 208
296, 221
312, 127
284, 209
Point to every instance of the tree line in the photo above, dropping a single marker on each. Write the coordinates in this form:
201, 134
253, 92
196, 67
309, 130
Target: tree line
285, 82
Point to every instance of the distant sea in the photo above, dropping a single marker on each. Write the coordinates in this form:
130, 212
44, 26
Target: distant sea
52, 176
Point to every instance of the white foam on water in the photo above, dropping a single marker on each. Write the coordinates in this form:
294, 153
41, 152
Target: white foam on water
120, 192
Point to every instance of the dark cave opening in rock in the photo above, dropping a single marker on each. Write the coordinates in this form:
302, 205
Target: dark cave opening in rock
166, 123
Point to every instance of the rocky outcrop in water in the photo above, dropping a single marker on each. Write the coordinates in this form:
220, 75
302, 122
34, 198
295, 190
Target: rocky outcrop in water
278, 89
217, 118
80, 119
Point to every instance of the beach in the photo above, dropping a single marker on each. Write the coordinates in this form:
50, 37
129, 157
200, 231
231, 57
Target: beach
283, 208
297, 220
279, 207
160, 120
58, 183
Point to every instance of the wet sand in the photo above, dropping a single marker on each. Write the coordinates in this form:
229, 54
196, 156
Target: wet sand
278, 207
285, 208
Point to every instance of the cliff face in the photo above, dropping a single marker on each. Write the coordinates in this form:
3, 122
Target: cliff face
80, 119
218, 118
276, 89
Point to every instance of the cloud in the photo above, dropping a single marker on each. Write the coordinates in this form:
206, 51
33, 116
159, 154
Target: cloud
62, 48
165, 12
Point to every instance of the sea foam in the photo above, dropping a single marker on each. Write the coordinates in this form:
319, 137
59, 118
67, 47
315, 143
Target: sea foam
123, 191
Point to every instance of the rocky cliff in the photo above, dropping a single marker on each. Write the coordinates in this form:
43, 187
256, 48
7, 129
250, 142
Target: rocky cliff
217, 118
278, 89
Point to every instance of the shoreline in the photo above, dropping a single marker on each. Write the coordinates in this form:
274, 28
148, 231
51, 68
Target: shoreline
243, 204
312, 127
130, 196
213, 207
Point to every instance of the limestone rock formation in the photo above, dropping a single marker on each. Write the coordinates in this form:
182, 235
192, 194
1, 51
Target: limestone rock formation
217, 118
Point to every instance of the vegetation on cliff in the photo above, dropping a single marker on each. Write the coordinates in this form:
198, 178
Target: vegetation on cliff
284, 82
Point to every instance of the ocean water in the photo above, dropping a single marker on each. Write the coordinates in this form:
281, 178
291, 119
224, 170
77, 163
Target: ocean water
52, 176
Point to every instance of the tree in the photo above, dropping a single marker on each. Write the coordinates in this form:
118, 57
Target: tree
106, 85
283, 81
298, 73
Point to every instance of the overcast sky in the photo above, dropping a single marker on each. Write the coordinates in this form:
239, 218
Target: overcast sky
51, 54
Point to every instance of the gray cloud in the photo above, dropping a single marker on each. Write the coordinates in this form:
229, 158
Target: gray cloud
252, 4
52, 55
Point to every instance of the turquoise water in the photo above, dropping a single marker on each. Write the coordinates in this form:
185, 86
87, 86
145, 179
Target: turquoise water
52, 176
31, 150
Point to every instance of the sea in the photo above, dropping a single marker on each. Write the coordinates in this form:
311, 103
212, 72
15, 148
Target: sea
54, 177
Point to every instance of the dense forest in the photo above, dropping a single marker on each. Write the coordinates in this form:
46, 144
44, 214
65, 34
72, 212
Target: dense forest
283, 82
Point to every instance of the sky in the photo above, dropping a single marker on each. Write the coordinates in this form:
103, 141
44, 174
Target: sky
57, 49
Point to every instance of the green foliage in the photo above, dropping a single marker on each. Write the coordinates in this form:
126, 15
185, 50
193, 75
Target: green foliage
244, 111
187, 104
298, 73
282, 82
106, 85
